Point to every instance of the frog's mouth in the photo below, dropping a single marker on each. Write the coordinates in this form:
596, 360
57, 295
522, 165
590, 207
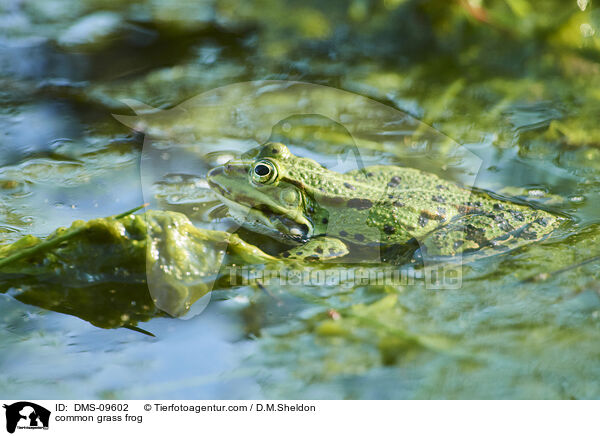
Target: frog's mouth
254, 208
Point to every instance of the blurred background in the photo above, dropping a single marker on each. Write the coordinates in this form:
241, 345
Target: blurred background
517, 82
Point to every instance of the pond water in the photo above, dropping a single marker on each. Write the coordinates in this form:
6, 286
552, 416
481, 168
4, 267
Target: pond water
107, 106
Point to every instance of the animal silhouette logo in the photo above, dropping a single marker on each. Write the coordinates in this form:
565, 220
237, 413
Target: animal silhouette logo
26, 415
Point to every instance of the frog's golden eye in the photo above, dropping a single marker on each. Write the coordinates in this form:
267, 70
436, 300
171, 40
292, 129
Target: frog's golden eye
264, 172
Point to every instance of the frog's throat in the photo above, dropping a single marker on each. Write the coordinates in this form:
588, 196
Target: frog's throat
272, 220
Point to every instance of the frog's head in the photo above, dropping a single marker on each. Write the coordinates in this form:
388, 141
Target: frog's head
261, 196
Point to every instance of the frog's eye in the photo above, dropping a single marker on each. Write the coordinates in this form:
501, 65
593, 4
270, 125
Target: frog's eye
264, 172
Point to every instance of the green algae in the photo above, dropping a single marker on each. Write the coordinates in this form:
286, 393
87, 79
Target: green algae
101, 270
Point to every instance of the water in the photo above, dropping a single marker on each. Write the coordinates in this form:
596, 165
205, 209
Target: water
523, 110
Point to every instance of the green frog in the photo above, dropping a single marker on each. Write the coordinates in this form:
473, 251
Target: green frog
327, 215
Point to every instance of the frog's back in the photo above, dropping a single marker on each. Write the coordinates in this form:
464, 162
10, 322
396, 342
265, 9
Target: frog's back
408, 202
446, 218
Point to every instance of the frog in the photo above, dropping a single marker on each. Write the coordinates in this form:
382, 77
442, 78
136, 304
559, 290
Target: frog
325, 215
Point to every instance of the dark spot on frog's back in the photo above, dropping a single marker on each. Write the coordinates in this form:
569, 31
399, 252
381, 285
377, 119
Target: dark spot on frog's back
469, 206
543, 221
319, 250
390, 230
333, 201
325, 221
394, 181
517, 215
359, 237
476, 235
343, 233
349, 186
438, 199
502, 223
360, 203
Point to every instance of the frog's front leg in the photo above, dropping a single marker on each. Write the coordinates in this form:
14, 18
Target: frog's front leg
317, 249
